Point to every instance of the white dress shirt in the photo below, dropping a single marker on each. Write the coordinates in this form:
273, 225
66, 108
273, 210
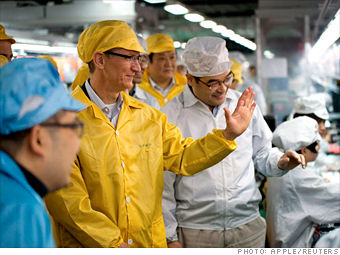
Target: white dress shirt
225, 195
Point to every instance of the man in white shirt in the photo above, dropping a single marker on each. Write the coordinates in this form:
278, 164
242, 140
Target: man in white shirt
218, 207
301, 206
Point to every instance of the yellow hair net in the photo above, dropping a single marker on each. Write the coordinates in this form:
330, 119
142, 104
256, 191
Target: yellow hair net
4, 36
3, 60
236, 68
82, 75
158, 43
106, 35
51, 60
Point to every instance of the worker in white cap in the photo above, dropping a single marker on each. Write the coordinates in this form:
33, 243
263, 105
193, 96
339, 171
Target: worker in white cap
117, 179
300, 205
314, 106
6, 44
218, 207
136, 91
39, 139
161, 80
240, 64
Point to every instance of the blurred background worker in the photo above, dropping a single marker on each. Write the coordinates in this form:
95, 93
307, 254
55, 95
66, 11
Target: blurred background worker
314, 106
218, 207
39, 139
6, 44
117, 179
136, 91
243, 82
161, 80
301, 203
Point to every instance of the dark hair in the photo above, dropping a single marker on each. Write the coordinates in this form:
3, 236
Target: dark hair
12, 142
150, 57
311, 115
311, 147
92, 66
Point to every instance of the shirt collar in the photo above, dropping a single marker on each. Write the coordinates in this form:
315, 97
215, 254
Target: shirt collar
34, 182
190, 99
158, 88
96, 99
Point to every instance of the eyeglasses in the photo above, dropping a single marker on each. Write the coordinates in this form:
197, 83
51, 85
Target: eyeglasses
312, 147
216, 83
77, 126
131, 59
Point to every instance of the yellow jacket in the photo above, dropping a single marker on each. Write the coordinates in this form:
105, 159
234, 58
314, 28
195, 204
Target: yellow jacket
180, 82
117, 181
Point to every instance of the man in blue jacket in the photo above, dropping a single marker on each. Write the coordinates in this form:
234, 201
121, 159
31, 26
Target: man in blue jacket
39, 138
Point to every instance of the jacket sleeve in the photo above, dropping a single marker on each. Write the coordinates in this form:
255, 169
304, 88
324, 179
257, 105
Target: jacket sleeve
264, 156
169, 206
186, 156
71, 207
319, 200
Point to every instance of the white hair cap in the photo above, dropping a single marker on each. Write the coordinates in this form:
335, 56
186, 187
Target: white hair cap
315, 103
296, 133
238, 56
206, 56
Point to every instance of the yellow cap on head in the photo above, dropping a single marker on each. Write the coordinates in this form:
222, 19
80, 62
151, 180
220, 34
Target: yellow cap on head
106, 35
3, 60
158, 43
236, 68
48, 58
4, 36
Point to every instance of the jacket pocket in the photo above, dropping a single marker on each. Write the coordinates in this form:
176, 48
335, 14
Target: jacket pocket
158, 234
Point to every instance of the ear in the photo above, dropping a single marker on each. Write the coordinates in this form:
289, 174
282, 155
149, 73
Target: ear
37, 140
304, 150
190, 79
98, 60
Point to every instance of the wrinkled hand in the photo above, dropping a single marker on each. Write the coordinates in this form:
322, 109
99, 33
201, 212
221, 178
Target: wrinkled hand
123, 245
175, 244
291, 159
238, 122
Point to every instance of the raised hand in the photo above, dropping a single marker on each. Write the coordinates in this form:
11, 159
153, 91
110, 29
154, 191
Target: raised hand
239, 121
291, 159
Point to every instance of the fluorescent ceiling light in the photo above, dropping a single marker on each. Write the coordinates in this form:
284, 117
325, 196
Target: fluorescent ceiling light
183, 45
155, 1
177, 44
31, 41
228, 33
176, 9
208, 24
219, 29
193, 17
328, 37
44, 48
268, 54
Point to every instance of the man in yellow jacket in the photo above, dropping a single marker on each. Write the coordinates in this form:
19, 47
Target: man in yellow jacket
115, 195
161, 80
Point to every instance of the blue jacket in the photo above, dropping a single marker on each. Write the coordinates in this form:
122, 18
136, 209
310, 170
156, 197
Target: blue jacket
23, 218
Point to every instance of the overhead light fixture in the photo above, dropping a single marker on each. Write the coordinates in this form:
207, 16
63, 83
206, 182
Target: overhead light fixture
183, 45
176, 9
268, 54
328, 37
193, 17
44, 48
208, 24
177, 44
155, 1
219, 29
228, 33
